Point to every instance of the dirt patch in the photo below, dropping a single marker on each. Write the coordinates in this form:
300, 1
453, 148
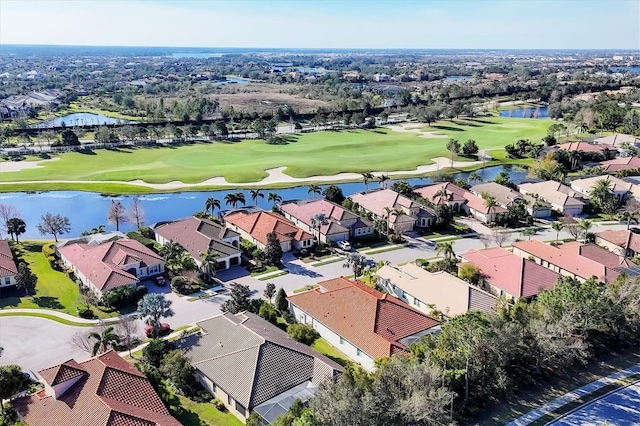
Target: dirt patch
16, 166
416, 129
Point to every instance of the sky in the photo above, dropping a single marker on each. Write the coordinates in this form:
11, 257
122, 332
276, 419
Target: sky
411, 24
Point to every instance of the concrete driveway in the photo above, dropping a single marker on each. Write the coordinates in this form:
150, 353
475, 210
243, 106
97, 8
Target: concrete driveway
36, 343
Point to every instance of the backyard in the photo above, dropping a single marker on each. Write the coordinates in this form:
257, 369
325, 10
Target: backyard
311, 154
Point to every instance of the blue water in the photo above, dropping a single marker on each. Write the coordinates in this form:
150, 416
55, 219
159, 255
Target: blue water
627, 69
229, 80
457, 78
88, 210
81, 119
539, 112
196, 55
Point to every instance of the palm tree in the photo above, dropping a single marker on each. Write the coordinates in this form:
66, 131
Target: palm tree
557, 226
209, 260
240, 198
446, 249
212, 204
97, 230
231, 199
273, 196
628, 216
383, 180
442, 193
490, 202
170, 250
255, 194
474, 177
391, 212
366, 177
585, 225
601, 195
314, 189
380, 226
317, 221
104, 340
16, 227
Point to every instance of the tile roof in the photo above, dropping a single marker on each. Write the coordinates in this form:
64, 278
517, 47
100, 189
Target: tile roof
568, 257
617, 139
503, 194
622, 238
198, 235
512, 274
624, 163
259, 224
102, 264
372, 321
582, 146
8, 266
553, 192
110, 393
68, 370
455, 193
252, 360
602, 255
376, 200
617, 185
305, 210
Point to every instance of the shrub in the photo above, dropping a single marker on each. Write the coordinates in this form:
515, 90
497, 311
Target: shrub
155, 351
53, 262
268, 312
218, 405
141, 290
146, 232
86, 314
303, 333
48, 250
290, 319
179, 283
396, 239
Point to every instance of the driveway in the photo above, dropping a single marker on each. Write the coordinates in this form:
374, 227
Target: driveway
36, 343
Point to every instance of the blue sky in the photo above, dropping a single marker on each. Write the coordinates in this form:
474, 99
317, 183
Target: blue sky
475, 24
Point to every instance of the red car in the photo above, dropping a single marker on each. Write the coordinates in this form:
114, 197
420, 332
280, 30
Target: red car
164, 328
161, 280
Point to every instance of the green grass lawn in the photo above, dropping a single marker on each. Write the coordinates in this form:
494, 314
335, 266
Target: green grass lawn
325, 348
54, 289
311, 154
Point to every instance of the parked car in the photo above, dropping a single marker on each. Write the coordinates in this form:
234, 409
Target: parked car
345, 245
164, 328
161, 280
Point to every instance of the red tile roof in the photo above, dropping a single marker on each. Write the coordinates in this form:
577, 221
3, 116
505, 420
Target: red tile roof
8, 266
62, 372
372, 321
259, 224
582, 146
621, 164
305, 211
569, 258
455, 193
622, 238
511, 273
110, 393
102, 264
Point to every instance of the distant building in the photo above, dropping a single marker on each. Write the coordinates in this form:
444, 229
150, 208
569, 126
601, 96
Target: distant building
620, 188
507, 197
624, 163
381, 78
562, 198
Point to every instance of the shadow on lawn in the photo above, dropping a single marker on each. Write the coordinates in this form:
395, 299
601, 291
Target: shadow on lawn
48, 302
452, 129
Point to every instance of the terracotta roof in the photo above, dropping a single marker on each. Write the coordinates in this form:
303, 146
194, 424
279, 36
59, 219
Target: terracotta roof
68, 370
603, 256
259, 224
511, 273
8, 266
622, 238
304, 211
455, 193
617, 139
624, 163
503, 194
478, 204
370, 320
102, 264
110, 393
616, 185
198, 235
553, 192
376, 200
582, 146
568, 257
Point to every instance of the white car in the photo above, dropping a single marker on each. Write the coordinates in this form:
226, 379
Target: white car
344, 245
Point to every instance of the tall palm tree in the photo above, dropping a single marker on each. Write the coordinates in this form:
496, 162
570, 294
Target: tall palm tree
442, 193
557, 226
212, 204
231, 199
380, 226
240, 198
585, 225
391, 212
170, 250
255, 194
273, 196
317, 221
474, 177
104, 340
383, 180
446, 249
209, 260
16, 227
629, 216
490, 202
366, 177
601, 195
314, 190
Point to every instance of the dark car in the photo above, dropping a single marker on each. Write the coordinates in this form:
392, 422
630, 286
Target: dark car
164, 328
161, 280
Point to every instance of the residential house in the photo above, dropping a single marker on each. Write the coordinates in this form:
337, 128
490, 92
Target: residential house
255, 226
199, 235
432, 292
103, 266
617, 140
574, 259
360, 321
620, 188
505, 274
622, 242
561, 198
586, 147
341, 225
412, 214
251, 365
104, 390
8, 267
622, 163
507, 197
456, 198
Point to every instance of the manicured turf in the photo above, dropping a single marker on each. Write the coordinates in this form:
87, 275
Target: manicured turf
319, 153
54, 289
325, 348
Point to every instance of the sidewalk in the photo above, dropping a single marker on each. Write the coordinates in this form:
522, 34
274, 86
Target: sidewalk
61, 315
574, 395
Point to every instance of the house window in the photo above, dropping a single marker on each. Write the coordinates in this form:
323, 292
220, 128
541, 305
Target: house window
240, 408
341, 341
358, 352
416, 302
229, 400
7, 281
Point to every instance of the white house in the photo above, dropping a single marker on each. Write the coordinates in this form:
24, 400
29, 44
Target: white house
8, 267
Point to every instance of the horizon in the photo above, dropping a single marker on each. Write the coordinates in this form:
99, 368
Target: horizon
343, 25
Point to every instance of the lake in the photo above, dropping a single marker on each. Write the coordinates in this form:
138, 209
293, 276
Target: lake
80, 119
87, 210
527, 112
457, 78
229, 80
625, 69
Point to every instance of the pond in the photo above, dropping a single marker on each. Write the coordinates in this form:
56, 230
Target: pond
80, 119
625, 69
228, 80
527, 112
88, 210
457, 78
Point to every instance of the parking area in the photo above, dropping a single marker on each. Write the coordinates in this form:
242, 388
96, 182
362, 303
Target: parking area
620, 408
